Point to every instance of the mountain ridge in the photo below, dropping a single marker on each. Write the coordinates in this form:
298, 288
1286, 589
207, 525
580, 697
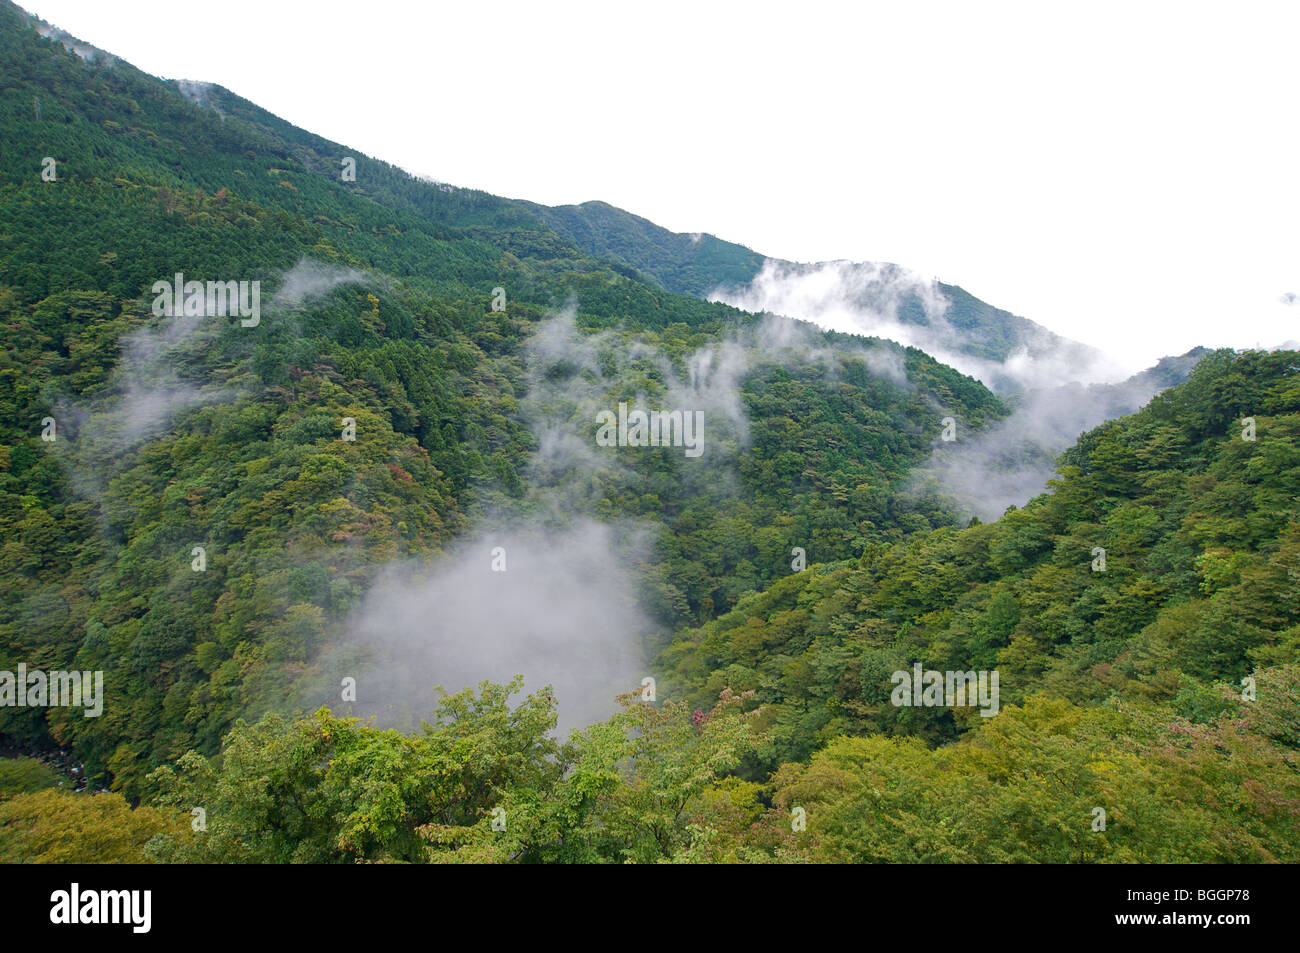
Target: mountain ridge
698, 265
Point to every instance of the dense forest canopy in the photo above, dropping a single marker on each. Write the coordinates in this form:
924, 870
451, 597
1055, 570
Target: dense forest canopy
201, 510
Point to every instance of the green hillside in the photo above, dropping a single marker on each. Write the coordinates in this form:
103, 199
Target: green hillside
197, 507
1152, 712
171, 436
1199, 529
686, 264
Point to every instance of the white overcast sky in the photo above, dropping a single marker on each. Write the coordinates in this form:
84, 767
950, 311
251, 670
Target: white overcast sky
1123, 173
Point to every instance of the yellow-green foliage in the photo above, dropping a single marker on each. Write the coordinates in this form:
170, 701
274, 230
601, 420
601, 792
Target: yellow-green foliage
58, 827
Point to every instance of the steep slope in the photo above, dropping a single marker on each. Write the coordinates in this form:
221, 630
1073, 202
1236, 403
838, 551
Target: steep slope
1162, 561
1150, 710
706, 266
1014, 460
210, 502
686, 264
1007, 352
200, 509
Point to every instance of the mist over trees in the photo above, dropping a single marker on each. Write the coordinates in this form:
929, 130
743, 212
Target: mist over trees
364, 586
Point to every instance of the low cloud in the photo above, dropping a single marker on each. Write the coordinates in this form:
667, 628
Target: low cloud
561, 608
159, 377
310, 279
564, 605
1010, 462
571, 607
1058, 389
888, 301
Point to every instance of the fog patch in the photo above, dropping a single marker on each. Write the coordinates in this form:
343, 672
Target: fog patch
570, 604
884, 300
560, 608
1011, 462
160, 377
310, 279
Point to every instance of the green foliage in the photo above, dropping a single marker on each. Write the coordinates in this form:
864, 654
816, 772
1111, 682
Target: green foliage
685, 264
25, 775
56, 827
331, 790
1202, 543
1024, 788
1128, 689
100, 525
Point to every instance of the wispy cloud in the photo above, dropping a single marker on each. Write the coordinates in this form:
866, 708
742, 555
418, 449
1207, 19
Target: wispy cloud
161, 375
888, 301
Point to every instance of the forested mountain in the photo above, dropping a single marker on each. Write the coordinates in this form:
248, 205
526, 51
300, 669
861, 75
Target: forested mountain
1126, 696
172, 434
203, 507
706, 266
1199, 584
686, 264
